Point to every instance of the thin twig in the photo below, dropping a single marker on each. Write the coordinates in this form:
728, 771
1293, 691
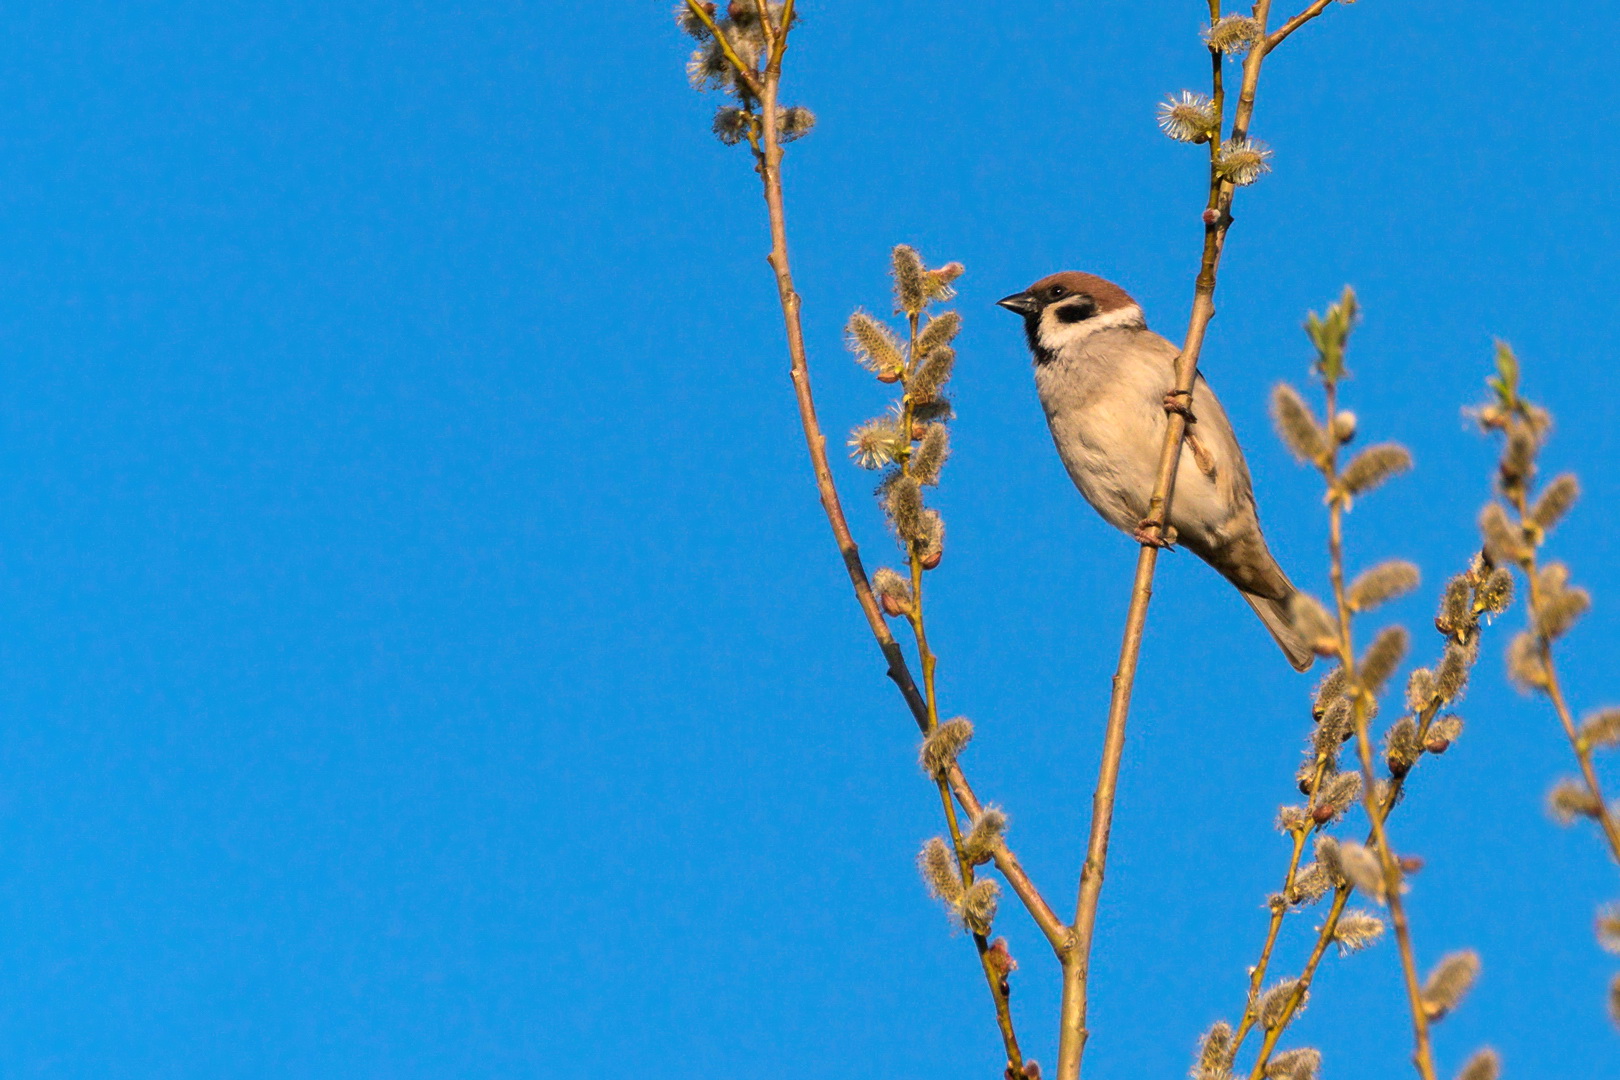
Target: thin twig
1460, 630
1423, 1054
1341, 896
767, 149
1055, 931
1279, 911
745, 74
1072, 1033
1295, 23
995, 979
1583, 752
1555, 693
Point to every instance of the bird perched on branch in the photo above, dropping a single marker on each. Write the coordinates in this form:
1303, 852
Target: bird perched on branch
1107, 383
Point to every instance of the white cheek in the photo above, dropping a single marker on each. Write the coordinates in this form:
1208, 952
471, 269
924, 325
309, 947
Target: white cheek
1058, 335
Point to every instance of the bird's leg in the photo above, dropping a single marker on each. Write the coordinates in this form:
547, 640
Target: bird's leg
1173, 403
1152, 530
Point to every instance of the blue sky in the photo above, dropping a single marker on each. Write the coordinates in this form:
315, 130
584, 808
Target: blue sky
424, 656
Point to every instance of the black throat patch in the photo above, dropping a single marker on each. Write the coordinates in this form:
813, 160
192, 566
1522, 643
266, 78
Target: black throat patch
1032, 334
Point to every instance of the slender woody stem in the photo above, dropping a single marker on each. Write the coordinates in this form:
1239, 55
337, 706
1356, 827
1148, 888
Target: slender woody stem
1423, 1054
1341, 897
767, 148
1279, 911
745, 74
1583, 751
925, 656
1072, 1033
1555, 694
1275, 39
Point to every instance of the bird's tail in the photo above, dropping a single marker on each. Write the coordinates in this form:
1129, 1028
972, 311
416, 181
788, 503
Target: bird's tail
1274, 613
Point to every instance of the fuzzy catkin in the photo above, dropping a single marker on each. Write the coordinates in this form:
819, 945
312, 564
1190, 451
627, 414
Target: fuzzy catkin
1363, 870
874, 345
1333, 730
930, 456
794, 122
1301, 432
939, 872
979, 846
1382, 583
1357, 930
1570, 799
910, 288
1273, 1004
1451, 677
1244, 160
1330, 856
944, 744
928, 381
905, 508
1311, 883
1382, 657
978, 908
1483, 1065
1558, 604
1608, 928
1401, 746
1526, 667
1495, 593
1504, 540
1373, 466
1449, 982
893, 591
1187, 117
1602, 728
1302, 1063
940, 330
1330, 690
1556, 500
1233, 35
1340, 793
1214, 1053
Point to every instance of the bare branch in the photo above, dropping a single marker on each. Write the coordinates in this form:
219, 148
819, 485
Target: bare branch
1295, 23
1072, 1032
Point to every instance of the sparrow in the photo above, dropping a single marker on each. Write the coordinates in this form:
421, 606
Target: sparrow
1106, 383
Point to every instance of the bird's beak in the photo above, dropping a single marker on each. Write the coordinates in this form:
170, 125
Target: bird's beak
1020, 302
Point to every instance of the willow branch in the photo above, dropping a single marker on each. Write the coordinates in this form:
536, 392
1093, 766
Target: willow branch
994, 978
1072, 1033
1341, 896
1583, 753
1279, 911
1295, 23
1479, 591
1423, 1054
1554, 690
1053, 928
745, 73
768, 162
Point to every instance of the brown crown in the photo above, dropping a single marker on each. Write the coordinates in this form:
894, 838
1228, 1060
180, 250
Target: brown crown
1109, 297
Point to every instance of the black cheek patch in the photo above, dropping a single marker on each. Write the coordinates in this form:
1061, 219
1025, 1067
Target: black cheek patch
1079, 311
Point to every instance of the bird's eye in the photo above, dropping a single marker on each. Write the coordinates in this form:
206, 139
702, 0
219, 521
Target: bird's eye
1057, 292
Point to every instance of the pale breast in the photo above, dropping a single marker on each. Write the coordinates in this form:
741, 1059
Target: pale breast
1107, 420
